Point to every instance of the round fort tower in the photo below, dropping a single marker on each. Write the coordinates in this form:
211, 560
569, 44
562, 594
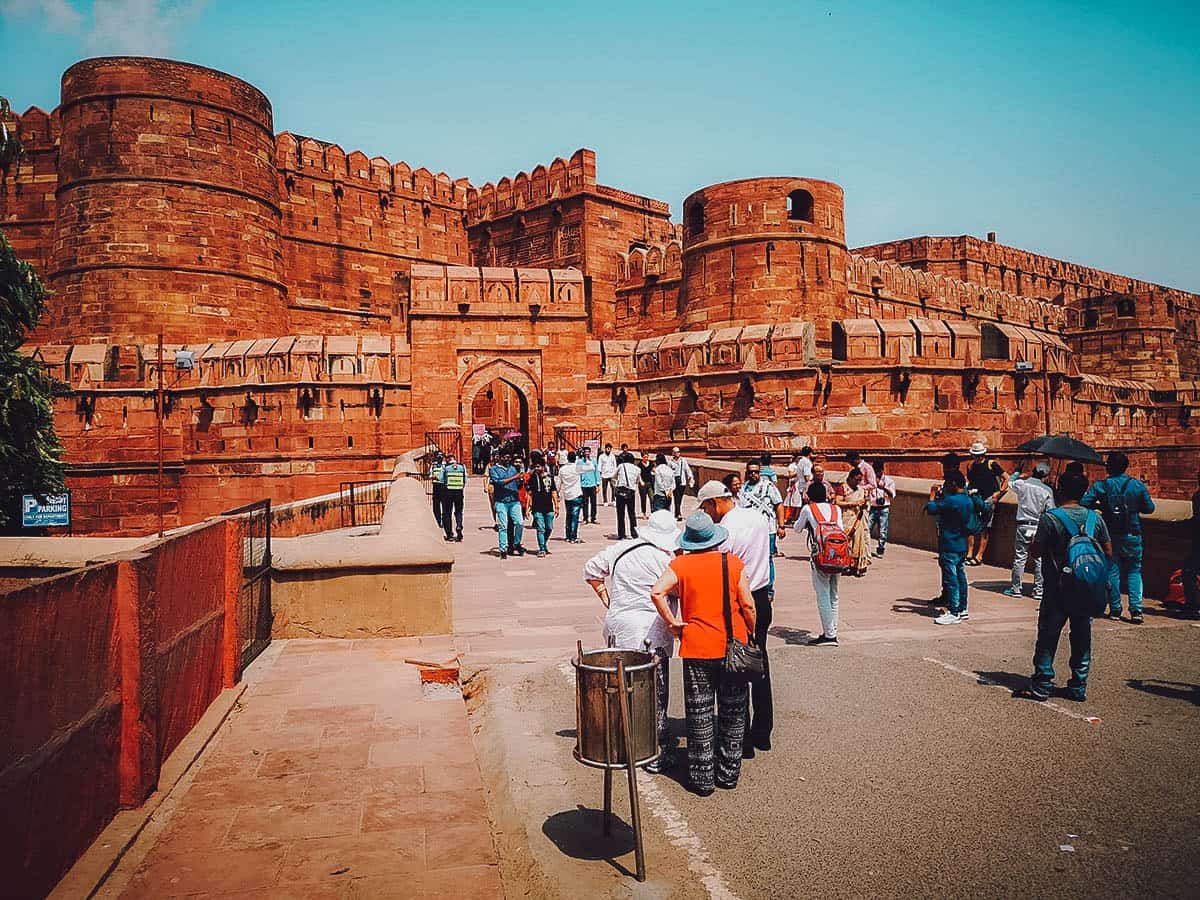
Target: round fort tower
168, 206
765, 250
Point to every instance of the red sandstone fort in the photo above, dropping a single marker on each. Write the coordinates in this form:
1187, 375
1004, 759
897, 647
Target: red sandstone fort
340, 306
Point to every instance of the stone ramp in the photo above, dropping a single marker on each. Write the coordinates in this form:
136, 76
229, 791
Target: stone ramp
333, 778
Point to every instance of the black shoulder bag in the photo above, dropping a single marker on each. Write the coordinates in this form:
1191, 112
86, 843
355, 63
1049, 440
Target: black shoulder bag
743, 661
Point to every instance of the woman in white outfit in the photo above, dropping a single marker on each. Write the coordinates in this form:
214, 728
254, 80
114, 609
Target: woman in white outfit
824, 583
622, 575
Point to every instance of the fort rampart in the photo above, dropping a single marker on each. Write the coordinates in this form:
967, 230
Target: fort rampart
336, 306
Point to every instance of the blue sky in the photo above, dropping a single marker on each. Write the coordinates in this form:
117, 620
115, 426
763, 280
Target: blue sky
1069, 129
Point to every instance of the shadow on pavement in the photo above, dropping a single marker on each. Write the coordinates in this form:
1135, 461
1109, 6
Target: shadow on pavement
579, 834
1171, 690
996, 587
567, 733
797, 636
916, 605
1010, 680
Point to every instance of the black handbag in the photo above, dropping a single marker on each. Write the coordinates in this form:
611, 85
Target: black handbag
741, 660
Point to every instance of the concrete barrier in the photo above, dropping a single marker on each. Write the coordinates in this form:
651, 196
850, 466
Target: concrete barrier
1166, 537
352, 583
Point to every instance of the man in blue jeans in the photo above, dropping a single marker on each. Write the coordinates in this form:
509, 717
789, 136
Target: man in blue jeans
505, 480
1121, 500
954, 510
589, 481
1063, 600
572, 495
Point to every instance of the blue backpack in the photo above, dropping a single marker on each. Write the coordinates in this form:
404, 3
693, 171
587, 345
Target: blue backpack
1119, 513
1085, 569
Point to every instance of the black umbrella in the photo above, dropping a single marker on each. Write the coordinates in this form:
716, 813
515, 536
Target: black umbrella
1062, 446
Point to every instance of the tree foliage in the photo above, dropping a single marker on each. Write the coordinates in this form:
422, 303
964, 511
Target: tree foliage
30, 452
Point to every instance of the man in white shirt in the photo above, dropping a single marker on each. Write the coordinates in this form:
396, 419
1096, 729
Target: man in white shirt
571, 491
683, 479
607, 463
631, 568
750, 541
1034, 497
763, 497
799, 478
625, 487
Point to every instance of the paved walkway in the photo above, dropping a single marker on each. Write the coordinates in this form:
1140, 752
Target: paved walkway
333, 778
525, 609
336, 778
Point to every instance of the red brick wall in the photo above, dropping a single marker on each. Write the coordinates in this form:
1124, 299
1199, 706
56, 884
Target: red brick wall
60, 725
168, 206
27, 189
745, 260
106, 669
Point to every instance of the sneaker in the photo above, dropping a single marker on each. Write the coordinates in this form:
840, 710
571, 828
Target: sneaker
963, 616
823, 641
1030, 694
458, 537
541, 554
726, 785
1135, 618
519, 550
1010, 592
879, 552
947, 618
504, 554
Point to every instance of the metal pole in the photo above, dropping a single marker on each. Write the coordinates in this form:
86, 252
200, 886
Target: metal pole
159, 407
635, 811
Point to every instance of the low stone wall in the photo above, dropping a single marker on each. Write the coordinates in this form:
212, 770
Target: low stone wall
1165, 531
103, 670
351, 584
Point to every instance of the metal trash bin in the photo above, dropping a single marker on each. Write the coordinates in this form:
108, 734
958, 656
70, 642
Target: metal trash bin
616, 723
600, 739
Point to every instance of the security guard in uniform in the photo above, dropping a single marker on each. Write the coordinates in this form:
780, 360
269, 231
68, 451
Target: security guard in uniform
454, 483
439, 488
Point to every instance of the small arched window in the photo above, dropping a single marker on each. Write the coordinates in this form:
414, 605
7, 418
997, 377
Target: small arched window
695, 219
800, 206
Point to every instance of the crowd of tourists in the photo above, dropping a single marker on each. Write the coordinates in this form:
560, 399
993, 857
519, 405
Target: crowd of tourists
710, 584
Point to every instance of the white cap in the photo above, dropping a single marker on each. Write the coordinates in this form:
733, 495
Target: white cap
711, 490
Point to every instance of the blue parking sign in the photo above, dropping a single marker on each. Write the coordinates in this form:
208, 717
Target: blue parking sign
56, 510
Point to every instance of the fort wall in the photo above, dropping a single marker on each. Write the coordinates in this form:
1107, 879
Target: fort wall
337, 306
168, 206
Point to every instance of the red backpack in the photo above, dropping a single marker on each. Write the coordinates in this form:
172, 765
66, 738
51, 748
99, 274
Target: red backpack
830, 545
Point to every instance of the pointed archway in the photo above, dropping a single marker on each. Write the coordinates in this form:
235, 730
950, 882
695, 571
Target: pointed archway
520, 384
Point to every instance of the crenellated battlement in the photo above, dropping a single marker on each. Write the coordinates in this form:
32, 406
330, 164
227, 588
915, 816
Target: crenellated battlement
890, 281
36, 128
299, 155
562, 178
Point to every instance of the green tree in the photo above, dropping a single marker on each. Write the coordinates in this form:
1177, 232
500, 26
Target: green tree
30, 452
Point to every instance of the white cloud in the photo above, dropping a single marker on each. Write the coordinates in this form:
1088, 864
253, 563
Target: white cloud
141, 27
58, 15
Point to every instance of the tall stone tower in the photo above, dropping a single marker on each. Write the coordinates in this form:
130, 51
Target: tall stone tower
168, 206
765, 250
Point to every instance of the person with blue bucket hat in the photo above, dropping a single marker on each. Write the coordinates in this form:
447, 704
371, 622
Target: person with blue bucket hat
706, 581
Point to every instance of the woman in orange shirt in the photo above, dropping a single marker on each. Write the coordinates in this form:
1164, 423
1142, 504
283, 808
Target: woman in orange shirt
702, 578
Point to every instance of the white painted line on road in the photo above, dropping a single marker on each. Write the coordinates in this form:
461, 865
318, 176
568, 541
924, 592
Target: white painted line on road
982, 679
678, 832
519, 573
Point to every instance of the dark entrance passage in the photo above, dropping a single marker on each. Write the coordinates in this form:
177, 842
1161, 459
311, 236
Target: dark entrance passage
501, 412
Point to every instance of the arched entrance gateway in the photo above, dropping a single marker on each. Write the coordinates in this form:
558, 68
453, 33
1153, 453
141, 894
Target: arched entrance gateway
504, 398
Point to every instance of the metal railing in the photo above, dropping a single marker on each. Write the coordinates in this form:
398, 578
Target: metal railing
254, 615
362, 502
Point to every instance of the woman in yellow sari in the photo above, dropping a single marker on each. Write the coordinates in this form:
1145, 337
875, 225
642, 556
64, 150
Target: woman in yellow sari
853, 500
